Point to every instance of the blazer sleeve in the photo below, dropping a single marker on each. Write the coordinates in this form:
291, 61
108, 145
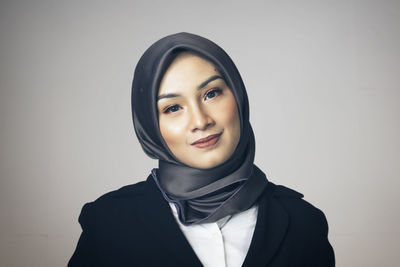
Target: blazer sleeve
84, 254
326, 256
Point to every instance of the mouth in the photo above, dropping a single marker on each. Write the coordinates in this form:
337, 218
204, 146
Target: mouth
207, 141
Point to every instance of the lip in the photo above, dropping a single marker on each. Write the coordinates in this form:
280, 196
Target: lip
207, 141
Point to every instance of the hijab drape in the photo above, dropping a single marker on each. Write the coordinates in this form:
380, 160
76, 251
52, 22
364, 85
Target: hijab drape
200, 195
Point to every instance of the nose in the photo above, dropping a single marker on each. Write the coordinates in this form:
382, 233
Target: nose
200, 119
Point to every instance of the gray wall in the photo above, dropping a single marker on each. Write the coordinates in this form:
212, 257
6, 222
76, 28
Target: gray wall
323, 79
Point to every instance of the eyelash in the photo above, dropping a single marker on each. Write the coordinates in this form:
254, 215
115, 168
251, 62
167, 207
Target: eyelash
170, 109
214, 90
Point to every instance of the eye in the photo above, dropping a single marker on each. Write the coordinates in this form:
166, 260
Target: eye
172, 109
213, 93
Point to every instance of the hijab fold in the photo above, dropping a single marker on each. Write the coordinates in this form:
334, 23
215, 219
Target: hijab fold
200, 195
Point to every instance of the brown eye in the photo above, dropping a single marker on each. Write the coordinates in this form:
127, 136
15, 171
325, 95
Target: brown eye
172, 109
213, 93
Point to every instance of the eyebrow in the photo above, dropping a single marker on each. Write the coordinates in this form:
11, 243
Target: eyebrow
202, 85
212, 78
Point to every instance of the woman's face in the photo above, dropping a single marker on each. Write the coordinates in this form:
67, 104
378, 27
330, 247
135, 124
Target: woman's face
198, 115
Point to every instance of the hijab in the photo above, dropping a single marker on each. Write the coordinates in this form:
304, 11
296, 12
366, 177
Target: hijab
200, 195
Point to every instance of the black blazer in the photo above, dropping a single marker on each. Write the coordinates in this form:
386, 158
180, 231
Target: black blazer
134, 226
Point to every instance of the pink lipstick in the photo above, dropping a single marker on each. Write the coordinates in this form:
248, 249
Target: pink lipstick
207, 141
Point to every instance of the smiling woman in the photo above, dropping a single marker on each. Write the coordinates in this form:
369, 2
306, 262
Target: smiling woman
207, 203
198, 116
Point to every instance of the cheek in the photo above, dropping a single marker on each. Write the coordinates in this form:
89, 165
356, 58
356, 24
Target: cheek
229, 116
234, 123
173, 132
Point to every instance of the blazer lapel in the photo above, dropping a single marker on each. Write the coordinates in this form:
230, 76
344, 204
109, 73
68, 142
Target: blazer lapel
270, 230
163, 228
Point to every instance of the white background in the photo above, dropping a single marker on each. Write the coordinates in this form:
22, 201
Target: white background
323, 78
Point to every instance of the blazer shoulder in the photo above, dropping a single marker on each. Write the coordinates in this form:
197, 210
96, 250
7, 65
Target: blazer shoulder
283, 191
307, 227
295, 204
127, 191
115, 204
124, 197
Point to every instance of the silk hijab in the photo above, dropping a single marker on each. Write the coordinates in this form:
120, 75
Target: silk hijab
200, 195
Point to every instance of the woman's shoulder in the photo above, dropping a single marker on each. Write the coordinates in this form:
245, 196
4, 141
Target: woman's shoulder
303, 227
124, 192
116, 201
294, 204
283, 191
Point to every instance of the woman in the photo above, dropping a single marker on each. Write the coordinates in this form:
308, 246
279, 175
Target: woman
207, 203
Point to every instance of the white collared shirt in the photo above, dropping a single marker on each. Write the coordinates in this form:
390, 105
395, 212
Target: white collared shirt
223, 243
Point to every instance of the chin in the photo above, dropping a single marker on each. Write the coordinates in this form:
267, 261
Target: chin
209, 163
205, 159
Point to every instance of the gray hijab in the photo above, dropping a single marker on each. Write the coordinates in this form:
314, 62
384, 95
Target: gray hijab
200, 195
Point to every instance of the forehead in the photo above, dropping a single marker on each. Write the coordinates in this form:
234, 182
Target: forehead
187, 70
